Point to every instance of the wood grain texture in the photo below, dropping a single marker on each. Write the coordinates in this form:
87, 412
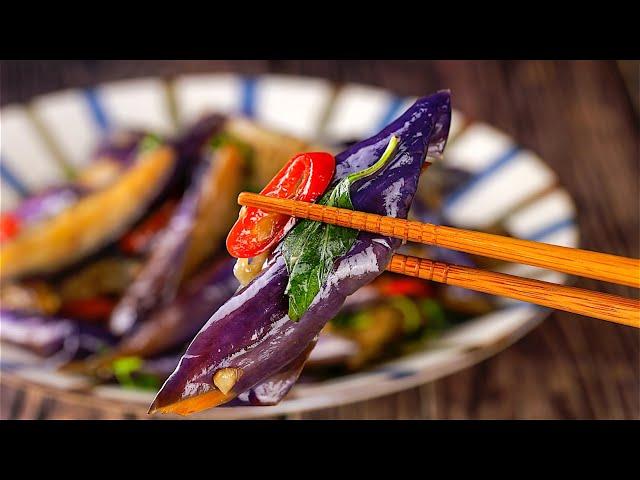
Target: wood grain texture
579, 117
604, 306
575, 261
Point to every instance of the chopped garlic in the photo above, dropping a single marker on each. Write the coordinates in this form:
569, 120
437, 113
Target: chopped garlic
246, 269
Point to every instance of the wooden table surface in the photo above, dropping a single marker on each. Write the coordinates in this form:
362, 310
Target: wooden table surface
581, 117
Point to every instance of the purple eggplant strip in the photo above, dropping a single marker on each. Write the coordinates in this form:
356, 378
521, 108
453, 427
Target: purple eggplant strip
47, 336
191, 142
156, 286
252, 331
48, 203
120, 146
271, 391
178, 322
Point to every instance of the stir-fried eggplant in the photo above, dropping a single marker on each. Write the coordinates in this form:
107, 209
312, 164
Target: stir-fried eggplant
48, 336
193, 139
177, 323
270, 150
195, 230
251, 337
93, 221
275, 388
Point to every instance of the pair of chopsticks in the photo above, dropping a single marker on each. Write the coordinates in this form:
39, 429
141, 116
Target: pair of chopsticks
599, 266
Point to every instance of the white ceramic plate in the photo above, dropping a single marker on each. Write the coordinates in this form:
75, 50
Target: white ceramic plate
509, 186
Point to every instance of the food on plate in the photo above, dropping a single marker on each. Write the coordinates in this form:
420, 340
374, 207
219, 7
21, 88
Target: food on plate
190, 236
66, 224
271, 321
50, 336
135, 273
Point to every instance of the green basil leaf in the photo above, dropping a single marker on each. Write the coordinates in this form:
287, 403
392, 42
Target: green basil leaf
311, 248
149, 142
124, 367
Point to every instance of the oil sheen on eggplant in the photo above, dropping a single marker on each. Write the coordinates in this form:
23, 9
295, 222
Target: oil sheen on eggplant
175, 324
252, 333
204, 214
107, 200
57, 338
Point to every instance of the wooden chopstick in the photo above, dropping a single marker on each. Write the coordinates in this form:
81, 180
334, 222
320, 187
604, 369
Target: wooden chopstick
603, 306
584, 263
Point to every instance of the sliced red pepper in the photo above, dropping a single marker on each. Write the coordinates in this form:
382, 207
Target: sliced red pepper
9, 226
305, 177
95, 309
138, 240
406, 286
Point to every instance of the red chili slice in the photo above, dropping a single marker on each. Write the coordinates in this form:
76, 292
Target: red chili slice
138, 240
95, 309
305, 177
9, 226
406, 286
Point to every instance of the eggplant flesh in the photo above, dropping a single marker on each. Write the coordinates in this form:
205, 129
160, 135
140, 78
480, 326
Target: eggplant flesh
252, 332
93, 221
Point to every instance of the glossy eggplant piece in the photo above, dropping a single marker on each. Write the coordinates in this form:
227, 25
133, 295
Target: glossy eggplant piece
251, 334
94, 221
120, 147
178, 322
274, 389
203, 216
191, 142
48, 336
48, 203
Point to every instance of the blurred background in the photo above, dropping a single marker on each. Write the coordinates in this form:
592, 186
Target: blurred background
581, 117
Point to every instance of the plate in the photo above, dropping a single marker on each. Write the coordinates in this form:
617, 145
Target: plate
506, 186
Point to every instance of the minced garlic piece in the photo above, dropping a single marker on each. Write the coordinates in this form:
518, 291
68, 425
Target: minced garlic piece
246, 269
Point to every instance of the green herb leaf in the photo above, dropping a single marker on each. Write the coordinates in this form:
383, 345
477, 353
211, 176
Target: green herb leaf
434, 313
411, 318
149, 142
126, 371
311, 248
360, 320
124, 367
223, 138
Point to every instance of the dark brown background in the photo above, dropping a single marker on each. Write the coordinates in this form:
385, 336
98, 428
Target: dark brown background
581, 117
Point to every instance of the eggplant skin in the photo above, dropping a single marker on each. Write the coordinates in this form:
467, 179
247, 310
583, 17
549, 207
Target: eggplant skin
94, 221
48, 336
48, 203
252, 331
204, 215
119, 147
178, 322
275, 388
191, 142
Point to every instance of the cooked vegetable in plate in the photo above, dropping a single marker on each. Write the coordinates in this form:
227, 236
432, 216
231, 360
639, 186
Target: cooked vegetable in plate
273, 320
64, 225
134, 272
